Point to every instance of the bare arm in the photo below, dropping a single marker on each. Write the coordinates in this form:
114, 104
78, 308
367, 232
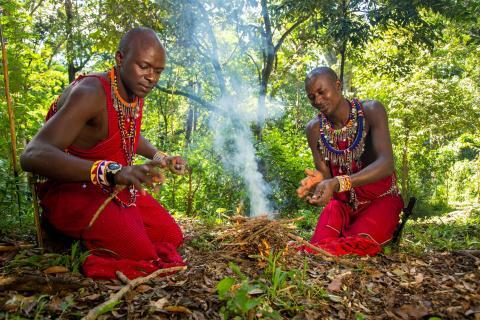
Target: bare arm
45, 153
313, 134
382, 166
145, 148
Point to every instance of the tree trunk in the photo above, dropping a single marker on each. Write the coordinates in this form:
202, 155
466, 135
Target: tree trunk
448, 186
189, 125
405, 163
297, 106
268, 60
191, 119
191, 194
478, 179
11, 116
343, 51
69, 36
174, 191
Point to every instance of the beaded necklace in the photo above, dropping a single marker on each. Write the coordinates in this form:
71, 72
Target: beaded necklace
128, 108
353, 133
127, 113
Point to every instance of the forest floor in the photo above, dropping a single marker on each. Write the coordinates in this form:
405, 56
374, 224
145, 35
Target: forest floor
246, 270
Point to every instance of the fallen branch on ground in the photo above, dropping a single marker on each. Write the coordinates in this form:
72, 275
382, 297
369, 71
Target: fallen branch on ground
16, 247
470, 253
44, 284
98, 310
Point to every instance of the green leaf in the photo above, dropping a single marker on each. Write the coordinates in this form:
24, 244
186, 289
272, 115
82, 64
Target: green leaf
109, 307
236, 269
224, 286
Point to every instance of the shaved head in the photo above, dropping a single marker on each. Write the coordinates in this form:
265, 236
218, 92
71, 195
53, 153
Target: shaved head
322, 71
140, 59
138, 38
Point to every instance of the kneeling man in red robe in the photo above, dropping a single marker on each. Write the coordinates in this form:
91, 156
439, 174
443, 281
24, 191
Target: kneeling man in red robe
86, 151
355, 178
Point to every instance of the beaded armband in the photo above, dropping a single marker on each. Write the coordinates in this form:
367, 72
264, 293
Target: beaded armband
345, 183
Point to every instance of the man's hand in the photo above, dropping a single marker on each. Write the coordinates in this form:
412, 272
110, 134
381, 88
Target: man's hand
323, 192
139, 175
175, 164
314, 177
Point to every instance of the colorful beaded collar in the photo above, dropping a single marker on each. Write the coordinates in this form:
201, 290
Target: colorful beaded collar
353, 133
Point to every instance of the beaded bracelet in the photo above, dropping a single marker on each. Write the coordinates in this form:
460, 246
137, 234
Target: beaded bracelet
345, 183
98, 174
93, 172
159, 155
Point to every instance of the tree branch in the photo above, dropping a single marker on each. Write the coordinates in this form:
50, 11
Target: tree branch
214, 57
259, 72
287, 33
205, 104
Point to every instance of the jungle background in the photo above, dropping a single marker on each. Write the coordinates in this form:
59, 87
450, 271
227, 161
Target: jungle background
232, 101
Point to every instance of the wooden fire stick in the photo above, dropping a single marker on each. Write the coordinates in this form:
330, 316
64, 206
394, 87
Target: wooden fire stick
11, 116
36, 211
311, 246
104, 204
328, 256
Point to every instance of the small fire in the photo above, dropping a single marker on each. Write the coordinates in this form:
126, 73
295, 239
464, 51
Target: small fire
266, 248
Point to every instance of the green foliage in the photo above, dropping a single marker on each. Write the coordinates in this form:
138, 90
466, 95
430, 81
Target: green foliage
276, 293
41, 304
203, 242
419, 59
459, 230
239, 302
72, 260
285, 153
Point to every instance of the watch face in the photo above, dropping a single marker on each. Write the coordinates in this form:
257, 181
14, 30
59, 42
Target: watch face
114, 166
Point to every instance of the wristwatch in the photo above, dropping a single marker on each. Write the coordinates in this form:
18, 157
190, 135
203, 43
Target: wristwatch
111, 170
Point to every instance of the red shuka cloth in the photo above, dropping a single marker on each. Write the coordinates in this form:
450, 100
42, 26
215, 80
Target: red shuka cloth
136, 240
341, 229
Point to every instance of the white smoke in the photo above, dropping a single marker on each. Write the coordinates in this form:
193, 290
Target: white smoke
233, 141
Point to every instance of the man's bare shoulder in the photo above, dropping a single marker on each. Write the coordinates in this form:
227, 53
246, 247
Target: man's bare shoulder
374, 110
312, 125
372, 105
88, 93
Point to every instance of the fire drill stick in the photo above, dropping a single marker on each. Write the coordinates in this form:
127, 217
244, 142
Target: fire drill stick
11, 116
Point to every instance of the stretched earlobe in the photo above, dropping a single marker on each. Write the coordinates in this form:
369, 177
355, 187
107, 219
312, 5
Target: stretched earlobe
118, 58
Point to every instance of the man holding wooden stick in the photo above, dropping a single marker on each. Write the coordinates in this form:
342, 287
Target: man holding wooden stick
354, 177
86, 149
